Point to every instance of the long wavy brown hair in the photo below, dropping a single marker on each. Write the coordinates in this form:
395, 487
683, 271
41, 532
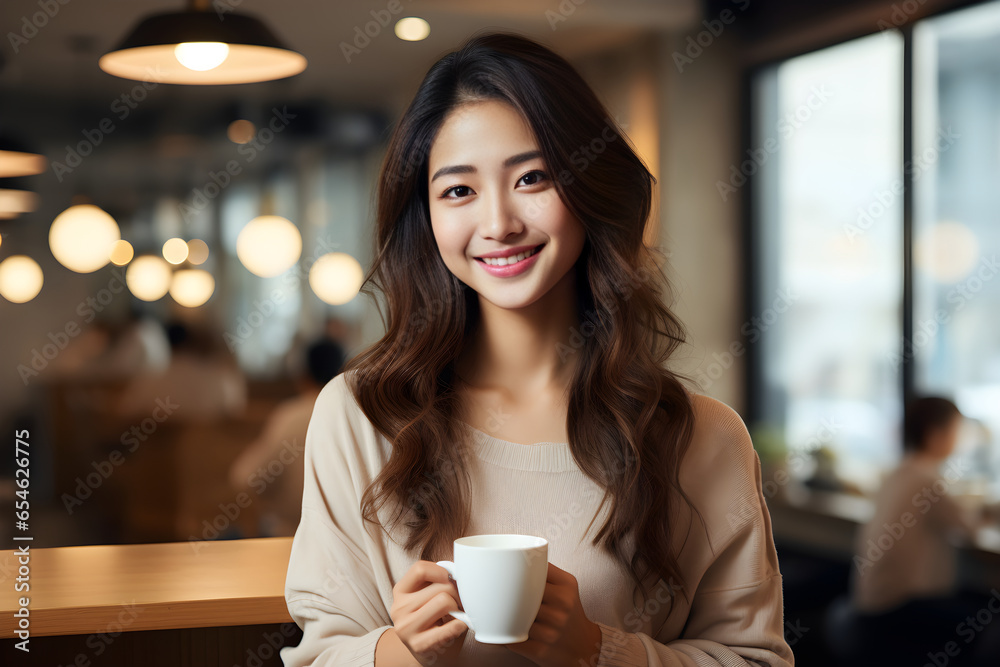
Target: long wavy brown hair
629, 418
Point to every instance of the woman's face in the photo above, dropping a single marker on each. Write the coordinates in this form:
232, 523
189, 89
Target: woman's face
490, 190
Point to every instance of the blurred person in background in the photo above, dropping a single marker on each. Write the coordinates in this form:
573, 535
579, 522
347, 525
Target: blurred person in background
201, 380
110, 350
141, 345
272, 465
333, 328
904, 579
81, 360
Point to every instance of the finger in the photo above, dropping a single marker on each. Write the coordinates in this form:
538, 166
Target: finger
544, 634
559, 596
549, 615
417, 599
426, 616
559, 576
439, 637
419, 573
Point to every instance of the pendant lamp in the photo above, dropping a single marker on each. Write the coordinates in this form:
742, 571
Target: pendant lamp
17, 160
202, 46
15, 198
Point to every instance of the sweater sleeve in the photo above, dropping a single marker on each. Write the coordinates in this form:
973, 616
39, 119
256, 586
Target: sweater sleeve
736, 616
331, 587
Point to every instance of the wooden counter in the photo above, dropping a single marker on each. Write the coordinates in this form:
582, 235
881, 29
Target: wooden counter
89, 589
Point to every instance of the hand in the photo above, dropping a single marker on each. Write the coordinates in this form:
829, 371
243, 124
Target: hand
561, 634
421, 601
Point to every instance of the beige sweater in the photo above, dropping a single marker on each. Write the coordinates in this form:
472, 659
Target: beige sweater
340, 575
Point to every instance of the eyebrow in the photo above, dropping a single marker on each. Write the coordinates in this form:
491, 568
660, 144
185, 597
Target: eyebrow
469, 169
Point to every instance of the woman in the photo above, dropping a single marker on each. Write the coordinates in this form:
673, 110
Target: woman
529, 399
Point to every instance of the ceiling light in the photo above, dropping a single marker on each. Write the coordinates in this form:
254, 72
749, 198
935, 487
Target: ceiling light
336, 278
148, 277
202, 46
175, 250
19, 163
16, 162
197, 251
241, 131
20, 278
192, 287
14, 202
269, 245
201, 56
82, 237
412, 29
122, 253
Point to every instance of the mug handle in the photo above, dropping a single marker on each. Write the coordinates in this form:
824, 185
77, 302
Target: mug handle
460, 615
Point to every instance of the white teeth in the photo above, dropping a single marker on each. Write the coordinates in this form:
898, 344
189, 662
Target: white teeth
504, 261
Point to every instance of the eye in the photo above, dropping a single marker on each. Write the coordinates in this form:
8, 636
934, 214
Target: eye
533, 177
460, 191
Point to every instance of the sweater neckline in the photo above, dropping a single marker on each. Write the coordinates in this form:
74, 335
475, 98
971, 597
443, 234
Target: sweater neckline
538, 457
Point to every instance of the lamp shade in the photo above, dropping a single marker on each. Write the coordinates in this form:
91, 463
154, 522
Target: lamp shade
20, 163
215, 48
15, 200
16, 159
16, 162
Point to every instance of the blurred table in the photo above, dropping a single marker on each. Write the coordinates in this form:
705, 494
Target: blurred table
149, 594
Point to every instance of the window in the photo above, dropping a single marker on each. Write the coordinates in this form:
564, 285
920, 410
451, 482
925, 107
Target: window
831, 233
955, 341
829, 215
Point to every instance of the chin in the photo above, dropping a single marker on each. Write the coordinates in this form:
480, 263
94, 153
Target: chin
508, 301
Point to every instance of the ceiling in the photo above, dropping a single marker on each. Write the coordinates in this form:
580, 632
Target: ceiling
61, 59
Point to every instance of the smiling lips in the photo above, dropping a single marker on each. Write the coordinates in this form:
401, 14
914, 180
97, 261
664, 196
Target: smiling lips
509, 259
511, 266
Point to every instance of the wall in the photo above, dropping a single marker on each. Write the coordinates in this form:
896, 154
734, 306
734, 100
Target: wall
684, 122
699, 141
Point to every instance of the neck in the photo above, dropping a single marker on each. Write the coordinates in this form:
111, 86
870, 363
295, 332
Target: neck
524, 349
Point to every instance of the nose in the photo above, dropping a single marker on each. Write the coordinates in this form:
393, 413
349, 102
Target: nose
499, 216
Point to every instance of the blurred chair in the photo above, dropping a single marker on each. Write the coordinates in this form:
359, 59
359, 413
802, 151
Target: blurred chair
917, 634
207, 508
149, 487
851, 638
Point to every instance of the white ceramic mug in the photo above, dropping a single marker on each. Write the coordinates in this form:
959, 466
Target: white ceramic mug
501, 580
